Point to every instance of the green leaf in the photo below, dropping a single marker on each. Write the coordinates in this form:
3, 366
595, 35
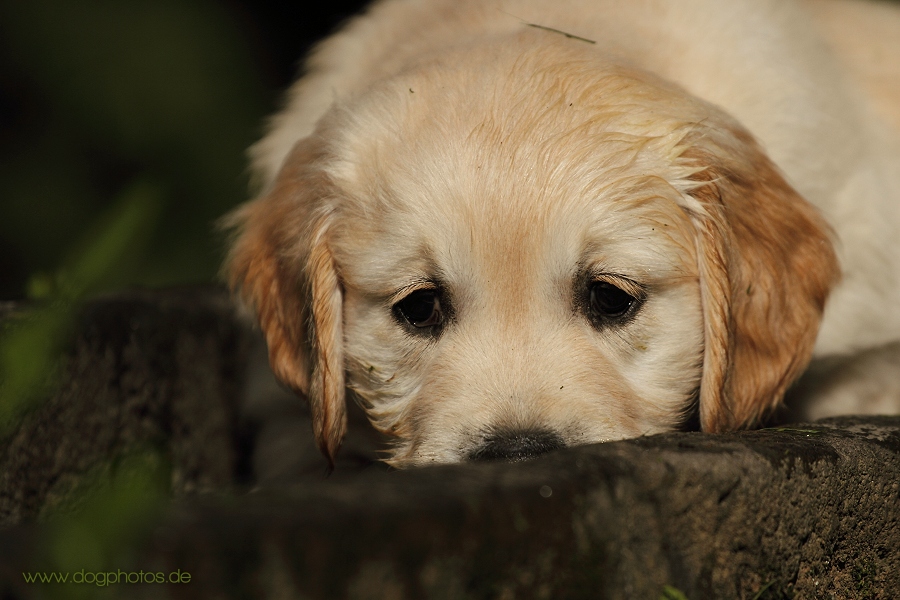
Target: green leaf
672, 593
100, 259
31, 342
29, 351
105, 517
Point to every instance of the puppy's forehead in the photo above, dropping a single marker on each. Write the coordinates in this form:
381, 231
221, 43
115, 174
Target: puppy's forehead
541, 168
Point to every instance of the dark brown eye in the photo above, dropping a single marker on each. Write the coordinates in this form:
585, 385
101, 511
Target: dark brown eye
421, 309
609, 303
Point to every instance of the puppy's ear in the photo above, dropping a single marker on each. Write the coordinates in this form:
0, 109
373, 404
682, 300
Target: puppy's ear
282, 267
766, 266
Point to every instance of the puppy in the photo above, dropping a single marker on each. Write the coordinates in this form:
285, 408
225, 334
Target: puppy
508, 226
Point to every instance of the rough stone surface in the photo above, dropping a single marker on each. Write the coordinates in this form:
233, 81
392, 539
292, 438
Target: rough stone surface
145, 370
799, 511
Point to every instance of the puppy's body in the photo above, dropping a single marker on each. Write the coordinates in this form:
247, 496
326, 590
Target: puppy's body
504, 158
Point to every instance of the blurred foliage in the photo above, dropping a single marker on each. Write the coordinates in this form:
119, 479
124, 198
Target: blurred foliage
30, 340
672, 593
100, 94
116, 504
123, 127
29, 347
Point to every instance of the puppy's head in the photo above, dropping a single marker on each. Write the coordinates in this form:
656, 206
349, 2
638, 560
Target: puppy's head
534, 250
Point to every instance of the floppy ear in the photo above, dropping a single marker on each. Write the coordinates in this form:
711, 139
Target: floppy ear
282, 266
766, 266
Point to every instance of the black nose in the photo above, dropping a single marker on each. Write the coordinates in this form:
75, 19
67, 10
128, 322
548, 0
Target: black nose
516, 445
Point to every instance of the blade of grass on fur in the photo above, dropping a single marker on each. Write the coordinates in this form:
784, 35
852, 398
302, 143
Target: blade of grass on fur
571, 36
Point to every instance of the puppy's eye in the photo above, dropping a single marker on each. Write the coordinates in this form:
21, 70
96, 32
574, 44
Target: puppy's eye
608, 302
421, 309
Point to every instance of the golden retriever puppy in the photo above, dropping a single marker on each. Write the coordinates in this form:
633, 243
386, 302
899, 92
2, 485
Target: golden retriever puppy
508, 226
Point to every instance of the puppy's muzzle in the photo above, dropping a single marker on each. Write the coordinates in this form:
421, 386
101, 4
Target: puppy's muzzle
515, 446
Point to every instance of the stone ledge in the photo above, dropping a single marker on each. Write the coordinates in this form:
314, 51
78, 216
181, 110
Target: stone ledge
809, 510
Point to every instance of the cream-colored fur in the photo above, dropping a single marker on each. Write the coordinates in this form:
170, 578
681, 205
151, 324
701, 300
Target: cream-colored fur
509, 154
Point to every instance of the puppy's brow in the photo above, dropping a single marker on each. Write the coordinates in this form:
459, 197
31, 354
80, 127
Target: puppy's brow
627, 285
416, 285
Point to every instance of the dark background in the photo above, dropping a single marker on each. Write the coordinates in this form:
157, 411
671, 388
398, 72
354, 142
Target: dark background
123, 131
